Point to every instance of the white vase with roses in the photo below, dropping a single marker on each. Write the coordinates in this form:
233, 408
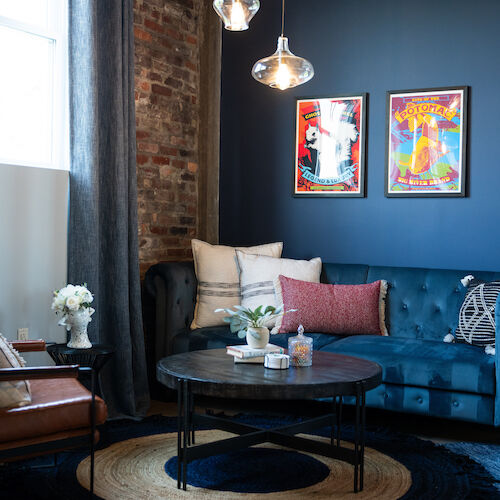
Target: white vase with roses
72, 304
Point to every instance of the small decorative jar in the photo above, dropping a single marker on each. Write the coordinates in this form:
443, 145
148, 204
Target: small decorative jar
300, 349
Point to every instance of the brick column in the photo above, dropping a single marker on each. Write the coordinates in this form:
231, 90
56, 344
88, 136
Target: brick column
168, 35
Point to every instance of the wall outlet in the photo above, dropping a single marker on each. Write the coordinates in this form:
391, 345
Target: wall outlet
22, 334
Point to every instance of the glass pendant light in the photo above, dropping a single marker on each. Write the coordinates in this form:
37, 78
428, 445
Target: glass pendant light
236, 14
283, 70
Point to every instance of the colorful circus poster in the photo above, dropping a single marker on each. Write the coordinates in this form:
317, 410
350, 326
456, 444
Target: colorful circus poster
426, 142
330, 146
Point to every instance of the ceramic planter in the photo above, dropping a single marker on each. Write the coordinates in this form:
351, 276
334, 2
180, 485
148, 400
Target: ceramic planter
257, 338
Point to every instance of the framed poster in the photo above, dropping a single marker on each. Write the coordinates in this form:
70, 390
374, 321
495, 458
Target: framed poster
330, 141
426, 142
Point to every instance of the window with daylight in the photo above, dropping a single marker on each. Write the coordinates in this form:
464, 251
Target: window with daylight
33, 85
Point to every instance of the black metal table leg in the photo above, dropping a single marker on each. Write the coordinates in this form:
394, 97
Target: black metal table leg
339, 420
179, 432
356, 438
191, 416
332, 428
185, 433
92, 432
363, 428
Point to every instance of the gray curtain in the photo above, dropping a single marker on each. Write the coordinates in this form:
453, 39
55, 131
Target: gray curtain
102, 240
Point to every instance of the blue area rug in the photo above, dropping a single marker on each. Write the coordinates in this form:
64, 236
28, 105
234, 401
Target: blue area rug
437, 472
254, 470
488, 455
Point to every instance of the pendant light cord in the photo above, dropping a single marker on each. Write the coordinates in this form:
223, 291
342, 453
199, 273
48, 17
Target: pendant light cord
283, 18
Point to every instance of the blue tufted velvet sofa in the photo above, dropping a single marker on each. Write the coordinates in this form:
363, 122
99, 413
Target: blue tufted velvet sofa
421, 374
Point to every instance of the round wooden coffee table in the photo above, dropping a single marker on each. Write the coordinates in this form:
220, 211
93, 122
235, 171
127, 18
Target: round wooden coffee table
214, 373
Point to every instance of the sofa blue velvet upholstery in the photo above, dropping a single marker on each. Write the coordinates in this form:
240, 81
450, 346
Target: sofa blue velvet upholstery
424, 363
421, 374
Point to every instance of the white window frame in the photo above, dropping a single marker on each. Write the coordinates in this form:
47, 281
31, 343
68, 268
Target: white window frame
57, 32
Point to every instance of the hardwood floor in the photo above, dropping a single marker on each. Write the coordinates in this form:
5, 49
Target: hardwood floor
162, 408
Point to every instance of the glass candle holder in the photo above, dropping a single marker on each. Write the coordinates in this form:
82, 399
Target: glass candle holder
300, 349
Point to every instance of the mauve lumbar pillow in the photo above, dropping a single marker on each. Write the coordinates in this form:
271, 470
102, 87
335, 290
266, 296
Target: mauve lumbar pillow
338, 309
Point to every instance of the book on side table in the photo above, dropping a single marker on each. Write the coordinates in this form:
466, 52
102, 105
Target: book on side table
259, 360
247, 354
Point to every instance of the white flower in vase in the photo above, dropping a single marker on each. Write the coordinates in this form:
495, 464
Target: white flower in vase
73, 303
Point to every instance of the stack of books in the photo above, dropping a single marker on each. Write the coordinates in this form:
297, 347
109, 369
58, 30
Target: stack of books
247, 354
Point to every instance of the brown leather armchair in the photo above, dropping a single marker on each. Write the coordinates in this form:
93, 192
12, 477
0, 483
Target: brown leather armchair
62, 414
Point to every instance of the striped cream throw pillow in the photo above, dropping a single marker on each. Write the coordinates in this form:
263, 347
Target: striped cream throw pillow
218, 278
16, 393
257, 275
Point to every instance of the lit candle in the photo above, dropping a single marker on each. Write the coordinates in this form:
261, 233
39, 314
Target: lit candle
300, 349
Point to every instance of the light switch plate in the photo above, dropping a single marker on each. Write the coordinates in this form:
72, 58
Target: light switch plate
22, 334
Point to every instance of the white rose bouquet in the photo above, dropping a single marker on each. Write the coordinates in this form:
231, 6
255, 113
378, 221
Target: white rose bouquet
71, 299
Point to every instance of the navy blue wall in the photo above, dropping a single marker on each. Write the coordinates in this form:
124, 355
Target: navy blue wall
363, 46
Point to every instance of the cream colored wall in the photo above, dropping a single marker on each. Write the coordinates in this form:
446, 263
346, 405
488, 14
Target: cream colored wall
33, 251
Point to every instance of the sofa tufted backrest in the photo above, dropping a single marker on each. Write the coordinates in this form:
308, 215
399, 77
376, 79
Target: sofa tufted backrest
344, 274
421, 303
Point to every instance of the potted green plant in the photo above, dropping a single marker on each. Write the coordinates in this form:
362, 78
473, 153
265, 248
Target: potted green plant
251, 323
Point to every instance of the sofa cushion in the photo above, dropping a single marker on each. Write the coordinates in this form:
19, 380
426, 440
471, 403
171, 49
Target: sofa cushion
17, 392
476, 323
339, 309
218, 278
57, 405
258, 272
424, 363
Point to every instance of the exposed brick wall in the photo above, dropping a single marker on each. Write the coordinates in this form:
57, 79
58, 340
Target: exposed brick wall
167, 81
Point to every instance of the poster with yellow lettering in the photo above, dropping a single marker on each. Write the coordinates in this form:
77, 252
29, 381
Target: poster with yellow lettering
426, 142
330, 146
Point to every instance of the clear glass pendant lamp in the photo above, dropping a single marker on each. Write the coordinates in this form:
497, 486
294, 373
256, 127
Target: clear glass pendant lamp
283, 70
236, 14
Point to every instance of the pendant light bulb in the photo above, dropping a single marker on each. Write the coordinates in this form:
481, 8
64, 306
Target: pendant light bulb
236, 14
283, 78
283, 70
238, 18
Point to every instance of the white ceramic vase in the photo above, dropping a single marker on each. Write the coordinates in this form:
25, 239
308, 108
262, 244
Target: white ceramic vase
79, 321
257, 338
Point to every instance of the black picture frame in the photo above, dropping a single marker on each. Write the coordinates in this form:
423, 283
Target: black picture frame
425, 191
361, 140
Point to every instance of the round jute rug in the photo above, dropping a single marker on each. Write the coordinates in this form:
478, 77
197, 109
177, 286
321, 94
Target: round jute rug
135, 469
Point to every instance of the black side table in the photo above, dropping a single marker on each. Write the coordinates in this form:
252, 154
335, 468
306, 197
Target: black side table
95, 357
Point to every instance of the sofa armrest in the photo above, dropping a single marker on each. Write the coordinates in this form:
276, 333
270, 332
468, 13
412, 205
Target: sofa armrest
28, 345
173, 286
42, 372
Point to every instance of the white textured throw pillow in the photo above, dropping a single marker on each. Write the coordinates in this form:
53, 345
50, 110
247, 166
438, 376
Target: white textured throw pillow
218, 278
257, 275
16, 393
